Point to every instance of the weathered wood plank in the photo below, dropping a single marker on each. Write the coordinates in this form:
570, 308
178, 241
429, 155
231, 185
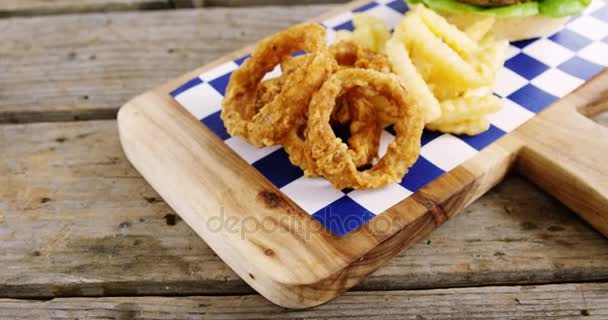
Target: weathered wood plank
601, 118
565, 301
237, 3
78, 220
109, 58
40, 7
9, 8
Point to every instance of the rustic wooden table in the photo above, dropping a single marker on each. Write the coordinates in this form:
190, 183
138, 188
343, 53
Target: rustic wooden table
83, 236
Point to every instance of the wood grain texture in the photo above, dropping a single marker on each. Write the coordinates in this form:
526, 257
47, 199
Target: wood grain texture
566, 152
305, 268
299, 267
109, 58
10, 8
94, 289
235, 3
78, 220
42, 7
567, 301
601, 118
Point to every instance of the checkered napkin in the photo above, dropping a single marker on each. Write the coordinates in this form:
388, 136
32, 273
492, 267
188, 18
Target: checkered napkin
537, 72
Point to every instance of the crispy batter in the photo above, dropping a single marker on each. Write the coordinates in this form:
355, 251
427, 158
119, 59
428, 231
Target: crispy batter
344, 84
292, 63
349, 53
266, 91
365, 130
352, 109
267, 125
331, 154
363, 143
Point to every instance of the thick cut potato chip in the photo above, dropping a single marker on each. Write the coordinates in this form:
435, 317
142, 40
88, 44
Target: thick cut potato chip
418, 91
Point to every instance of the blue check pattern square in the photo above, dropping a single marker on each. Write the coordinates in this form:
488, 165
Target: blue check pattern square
342, 211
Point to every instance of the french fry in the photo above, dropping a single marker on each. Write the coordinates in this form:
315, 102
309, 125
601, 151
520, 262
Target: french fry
448, 66
471, 107
480, 28
452, 36
343, 35
370, 31
401, 31
498, 54
365, 36
469, 127
418, 92
446, 90
491, 59
478, 92
448, 72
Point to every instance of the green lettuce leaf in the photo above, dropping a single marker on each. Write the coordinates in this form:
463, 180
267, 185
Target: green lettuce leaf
562, 8
451, 6
550, 8
515, 10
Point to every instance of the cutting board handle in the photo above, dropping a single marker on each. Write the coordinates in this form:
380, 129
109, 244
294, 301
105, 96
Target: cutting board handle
566, 153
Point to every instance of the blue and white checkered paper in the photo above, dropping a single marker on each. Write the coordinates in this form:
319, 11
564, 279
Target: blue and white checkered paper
537, 72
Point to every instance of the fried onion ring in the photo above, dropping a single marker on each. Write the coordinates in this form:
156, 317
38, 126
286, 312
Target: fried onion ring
331, 155
364, 140
365, 130
349, 53
267, 125
351, 109
266, 91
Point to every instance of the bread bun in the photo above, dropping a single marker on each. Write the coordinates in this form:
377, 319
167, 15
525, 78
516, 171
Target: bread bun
511, 28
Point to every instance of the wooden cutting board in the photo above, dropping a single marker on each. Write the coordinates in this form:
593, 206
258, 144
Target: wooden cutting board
300, 263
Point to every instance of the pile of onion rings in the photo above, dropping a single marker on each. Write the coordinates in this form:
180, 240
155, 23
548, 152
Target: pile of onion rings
344, 85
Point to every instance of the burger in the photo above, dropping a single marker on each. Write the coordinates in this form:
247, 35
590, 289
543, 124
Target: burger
515, 19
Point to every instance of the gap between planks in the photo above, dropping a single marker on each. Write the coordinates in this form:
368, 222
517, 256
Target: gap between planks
78, 220
15, 8
571, 301
111, 57
12, 8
